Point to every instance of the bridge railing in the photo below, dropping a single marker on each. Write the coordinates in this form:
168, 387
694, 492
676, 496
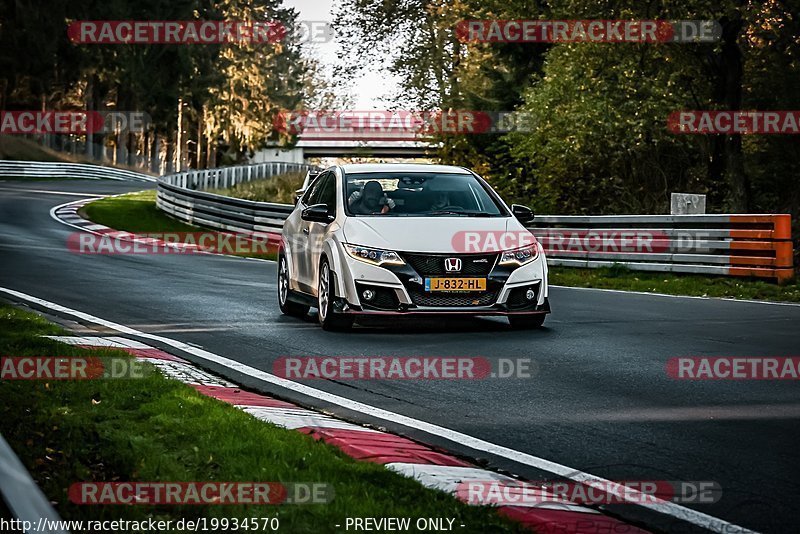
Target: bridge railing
729, 245
225, 177
47, 169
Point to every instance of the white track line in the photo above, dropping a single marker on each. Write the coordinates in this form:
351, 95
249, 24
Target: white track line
696, 297
674, 510
67, 193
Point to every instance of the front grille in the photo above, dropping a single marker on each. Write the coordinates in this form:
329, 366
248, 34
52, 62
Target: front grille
516, 297
433, 264
385, 298
426, 298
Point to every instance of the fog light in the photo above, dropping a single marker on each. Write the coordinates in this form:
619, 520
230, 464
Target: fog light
530, 294
368, 294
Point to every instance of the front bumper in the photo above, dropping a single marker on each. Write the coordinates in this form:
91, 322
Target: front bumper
400, 290
342, 306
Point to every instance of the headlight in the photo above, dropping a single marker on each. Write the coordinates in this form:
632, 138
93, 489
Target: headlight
375, 256
520, 256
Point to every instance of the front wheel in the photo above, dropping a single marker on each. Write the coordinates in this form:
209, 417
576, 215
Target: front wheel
287, 307
326, 292
526, 322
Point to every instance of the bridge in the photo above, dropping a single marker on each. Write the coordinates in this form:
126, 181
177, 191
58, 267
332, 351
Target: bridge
379, 134
319, 148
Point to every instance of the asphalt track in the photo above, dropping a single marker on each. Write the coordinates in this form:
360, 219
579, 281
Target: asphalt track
600, 400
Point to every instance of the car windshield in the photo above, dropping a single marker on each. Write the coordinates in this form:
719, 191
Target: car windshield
419, 194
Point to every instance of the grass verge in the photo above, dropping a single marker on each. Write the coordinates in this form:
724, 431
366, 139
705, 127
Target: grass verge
19, 148
673, 284
280, 188
133, 212
158, 429
137, 213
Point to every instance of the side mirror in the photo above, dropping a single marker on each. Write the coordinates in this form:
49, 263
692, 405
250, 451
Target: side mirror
523, 213
317, 213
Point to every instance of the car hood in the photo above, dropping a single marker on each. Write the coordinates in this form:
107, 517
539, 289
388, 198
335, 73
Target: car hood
421, 234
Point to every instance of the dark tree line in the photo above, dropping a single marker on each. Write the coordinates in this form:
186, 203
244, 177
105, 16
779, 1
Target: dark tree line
601, 143
223, 95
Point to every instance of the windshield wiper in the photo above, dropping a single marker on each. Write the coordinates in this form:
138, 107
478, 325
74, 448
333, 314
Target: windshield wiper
445, 212
464, 213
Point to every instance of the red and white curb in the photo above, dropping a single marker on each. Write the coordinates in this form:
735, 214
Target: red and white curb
68, 214
432, 468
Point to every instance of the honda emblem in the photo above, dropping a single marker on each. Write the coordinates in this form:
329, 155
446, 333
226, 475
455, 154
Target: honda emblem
452, 265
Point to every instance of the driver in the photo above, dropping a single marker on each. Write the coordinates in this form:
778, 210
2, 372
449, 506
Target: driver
439, 195
441, 201
371, 200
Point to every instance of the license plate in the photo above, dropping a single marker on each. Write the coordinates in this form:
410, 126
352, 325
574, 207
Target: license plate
455, 284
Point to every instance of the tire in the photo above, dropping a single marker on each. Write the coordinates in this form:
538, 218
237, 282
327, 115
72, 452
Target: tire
526, 322
326, 290
287, 306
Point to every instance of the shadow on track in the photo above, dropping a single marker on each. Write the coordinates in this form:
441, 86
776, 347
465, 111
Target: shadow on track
428, 325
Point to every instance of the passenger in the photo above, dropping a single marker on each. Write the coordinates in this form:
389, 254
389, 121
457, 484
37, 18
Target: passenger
371, 200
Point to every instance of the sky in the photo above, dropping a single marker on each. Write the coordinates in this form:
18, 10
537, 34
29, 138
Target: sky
368, 89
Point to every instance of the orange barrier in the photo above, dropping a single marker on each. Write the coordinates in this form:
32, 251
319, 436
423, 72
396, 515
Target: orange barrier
773, 245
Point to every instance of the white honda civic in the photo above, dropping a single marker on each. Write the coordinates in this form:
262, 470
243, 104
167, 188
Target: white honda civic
404, 239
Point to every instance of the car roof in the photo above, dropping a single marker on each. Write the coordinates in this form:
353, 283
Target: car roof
356, 168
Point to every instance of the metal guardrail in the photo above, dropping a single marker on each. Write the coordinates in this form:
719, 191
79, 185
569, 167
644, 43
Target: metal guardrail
225, 177
46, 169
221, 212
728, 245
182, 196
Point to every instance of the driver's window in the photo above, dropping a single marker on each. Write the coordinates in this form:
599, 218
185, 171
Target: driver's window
313, 194
327, 193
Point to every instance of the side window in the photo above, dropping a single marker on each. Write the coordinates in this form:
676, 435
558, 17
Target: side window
327, 194
311, 196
